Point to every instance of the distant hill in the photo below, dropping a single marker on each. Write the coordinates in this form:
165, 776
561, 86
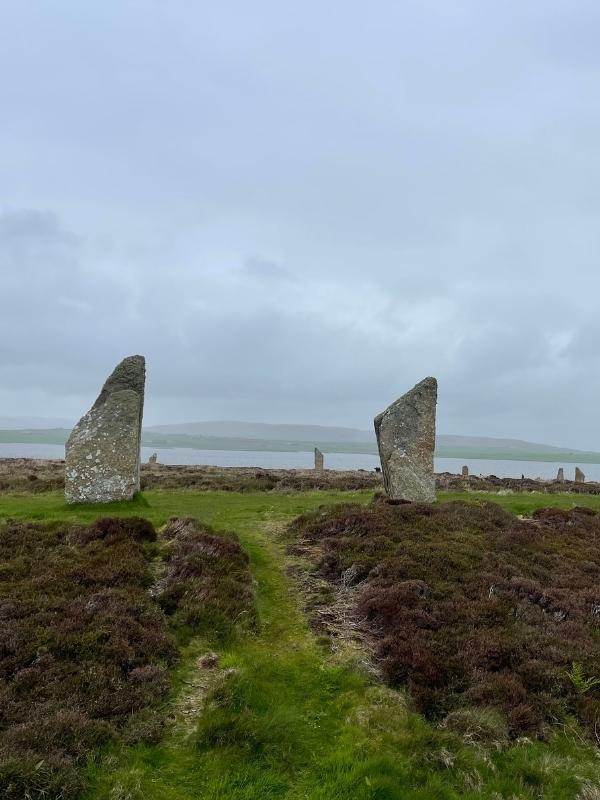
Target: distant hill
230, 429
262, 430
509, 445
260, 436
38, 423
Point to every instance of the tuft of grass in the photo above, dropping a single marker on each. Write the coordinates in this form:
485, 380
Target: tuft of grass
580, 681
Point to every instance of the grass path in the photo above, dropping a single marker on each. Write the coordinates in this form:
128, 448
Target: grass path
290, 721
284, 702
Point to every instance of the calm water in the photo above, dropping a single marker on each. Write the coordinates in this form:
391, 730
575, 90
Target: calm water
243, 458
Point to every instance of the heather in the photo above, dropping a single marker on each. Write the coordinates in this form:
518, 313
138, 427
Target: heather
207, 585
85, 649
468, 606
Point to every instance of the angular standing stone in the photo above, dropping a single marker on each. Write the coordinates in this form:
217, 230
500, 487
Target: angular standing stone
579, 476
465, 472
153, 458
318, 460
560, 476
406, 439
102, 454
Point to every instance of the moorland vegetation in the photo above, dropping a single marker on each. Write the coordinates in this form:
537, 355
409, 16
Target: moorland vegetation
88, 637
469, 607
241, 694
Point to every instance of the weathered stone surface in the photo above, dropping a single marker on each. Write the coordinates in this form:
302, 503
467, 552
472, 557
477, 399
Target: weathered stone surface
579, 476
102, 454
465, 471
560, 476
318, 460
406, 439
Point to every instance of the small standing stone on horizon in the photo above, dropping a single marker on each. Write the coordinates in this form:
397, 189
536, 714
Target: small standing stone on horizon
102, 454
465, 472
560, 477
153, 458
406, 440
579, 476
318, 460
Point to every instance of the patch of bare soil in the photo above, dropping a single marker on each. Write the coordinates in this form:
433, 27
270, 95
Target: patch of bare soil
204, 677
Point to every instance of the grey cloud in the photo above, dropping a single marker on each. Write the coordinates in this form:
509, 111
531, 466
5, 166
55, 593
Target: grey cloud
298, 210
264, 269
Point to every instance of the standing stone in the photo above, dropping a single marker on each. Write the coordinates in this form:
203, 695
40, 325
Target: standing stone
406, 438
153, 458
102, 459
318, 460
465, 472
560, 477
579, 476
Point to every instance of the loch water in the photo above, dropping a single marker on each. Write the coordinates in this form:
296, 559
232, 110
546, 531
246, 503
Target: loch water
286, 460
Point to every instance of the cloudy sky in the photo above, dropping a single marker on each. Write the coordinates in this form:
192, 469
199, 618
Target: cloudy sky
296, 210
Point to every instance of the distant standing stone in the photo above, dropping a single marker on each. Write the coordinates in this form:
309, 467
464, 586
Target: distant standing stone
579, 476
102, 459
153, 458
406, 439
318, 460
560, 477
465, 472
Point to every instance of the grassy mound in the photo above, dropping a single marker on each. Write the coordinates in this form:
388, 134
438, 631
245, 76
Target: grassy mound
84, 646
472, 608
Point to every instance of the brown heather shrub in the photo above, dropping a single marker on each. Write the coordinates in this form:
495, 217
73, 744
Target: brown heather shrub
83, 648
207, 588
29, 475
469, 606
84, 645
43, 475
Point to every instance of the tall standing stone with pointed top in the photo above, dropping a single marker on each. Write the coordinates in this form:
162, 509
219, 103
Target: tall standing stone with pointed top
560, 475
102, 454
319, 461
406, 438
579, 476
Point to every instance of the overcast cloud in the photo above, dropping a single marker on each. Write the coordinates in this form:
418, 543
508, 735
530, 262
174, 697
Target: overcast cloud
297, 210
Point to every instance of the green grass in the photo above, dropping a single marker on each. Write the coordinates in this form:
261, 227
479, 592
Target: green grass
525, 503
293, 721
